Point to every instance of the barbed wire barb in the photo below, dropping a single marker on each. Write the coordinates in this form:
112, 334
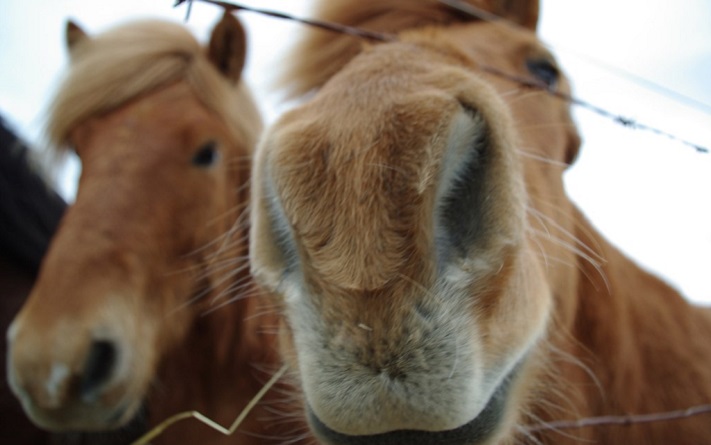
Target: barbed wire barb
616, 118
473, 11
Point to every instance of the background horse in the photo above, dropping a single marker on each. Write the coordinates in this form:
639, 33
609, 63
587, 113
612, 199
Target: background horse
29, 214
436, 283
164, 129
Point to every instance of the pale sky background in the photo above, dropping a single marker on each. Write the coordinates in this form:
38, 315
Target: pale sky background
649, 195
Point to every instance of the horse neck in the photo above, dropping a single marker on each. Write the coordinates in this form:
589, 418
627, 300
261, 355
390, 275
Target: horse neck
222, 363
227, 354
622, 292
236, 329
226, 332
619, 341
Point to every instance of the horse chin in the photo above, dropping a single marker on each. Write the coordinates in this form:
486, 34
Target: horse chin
85, 417
478, 431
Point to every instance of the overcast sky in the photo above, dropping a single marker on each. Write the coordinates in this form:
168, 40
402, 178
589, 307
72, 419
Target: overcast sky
649, 195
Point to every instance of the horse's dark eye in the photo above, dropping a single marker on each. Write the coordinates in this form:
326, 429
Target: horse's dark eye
545, 71
206, 155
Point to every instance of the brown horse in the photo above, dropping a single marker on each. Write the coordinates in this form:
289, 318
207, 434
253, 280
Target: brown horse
437, 285
165, 130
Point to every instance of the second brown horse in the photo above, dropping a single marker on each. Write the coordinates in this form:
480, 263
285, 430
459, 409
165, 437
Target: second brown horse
116, 322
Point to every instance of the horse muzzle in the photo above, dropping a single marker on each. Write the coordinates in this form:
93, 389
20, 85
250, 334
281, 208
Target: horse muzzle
479, 430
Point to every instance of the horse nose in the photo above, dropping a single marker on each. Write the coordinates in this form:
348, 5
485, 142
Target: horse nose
74, 376
61, 372
98, 369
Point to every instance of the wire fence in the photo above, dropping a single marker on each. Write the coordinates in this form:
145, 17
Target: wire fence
472, 11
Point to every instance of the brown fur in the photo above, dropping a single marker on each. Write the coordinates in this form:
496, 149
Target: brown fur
152, 243
344, 234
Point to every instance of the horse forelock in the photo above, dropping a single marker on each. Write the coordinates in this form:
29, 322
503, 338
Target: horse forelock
319, 55
122, 64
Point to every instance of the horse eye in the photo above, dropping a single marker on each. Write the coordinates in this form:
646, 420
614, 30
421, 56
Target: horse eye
206, 155
545, 71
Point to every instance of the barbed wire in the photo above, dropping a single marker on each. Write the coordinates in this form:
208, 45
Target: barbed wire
329, 26
616, 118
626, 420
474, 12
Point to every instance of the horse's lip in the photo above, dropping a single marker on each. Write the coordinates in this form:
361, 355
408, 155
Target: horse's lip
475, 431
83, 417
127, 433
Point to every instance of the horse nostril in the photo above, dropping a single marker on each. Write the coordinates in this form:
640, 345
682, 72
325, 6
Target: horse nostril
97, 369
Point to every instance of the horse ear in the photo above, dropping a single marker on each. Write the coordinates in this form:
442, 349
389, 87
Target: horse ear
73, 34
228, 47
522, 12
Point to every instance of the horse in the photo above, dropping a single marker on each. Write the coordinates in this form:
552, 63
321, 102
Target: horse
436, 285
122, 322
30, 211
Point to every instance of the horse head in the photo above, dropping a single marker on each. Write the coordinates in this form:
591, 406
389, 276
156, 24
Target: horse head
164, 129
397, 221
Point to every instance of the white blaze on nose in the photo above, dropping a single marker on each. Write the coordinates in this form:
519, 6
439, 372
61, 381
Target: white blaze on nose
58, 377
12, 331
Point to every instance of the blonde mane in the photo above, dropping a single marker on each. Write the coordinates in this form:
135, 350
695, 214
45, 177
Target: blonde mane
320, 54
113, 68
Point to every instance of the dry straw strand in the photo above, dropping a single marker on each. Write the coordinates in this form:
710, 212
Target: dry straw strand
160, 428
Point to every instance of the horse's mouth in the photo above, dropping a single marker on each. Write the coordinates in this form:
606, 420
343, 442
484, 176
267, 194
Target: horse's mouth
127, 433
476, 431
82, 417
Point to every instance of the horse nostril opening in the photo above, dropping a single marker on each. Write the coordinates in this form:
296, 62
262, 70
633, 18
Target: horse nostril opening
98, 368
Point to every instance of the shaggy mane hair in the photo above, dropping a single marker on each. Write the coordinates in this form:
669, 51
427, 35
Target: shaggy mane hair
320, 54
117, 66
